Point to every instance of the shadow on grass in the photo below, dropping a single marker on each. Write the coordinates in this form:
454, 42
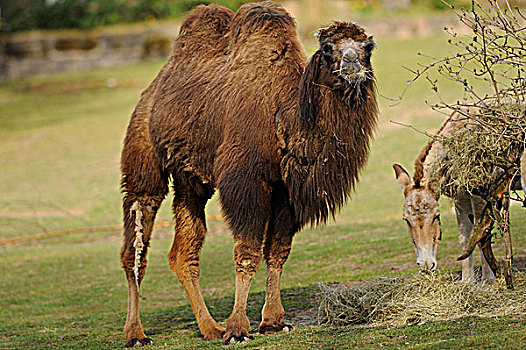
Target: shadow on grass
300, 310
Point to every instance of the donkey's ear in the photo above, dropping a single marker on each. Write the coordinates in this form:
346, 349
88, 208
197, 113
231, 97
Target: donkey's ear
402, 177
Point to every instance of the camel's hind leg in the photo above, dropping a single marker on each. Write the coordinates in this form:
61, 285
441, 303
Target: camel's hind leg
139, 215
190, 231
276, 249
145, 187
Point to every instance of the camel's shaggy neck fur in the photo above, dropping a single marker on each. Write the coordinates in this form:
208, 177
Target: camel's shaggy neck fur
330, 148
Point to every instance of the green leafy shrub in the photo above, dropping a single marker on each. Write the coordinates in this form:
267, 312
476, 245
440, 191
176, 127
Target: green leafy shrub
19, 15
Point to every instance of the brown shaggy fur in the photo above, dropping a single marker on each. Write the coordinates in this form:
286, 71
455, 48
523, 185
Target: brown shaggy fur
237, 109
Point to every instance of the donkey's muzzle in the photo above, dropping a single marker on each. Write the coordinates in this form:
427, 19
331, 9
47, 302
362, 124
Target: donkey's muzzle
427, 266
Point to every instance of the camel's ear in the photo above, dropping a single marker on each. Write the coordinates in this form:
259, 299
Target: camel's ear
320, 34
402, 177
370, 45
307, 106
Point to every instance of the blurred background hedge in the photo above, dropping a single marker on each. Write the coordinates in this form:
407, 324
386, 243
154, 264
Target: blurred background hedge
19, 15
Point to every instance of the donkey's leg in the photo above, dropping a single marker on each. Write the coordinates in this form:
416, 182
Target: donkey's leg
276, 249
465, 220
190, 231
139, 216
246, 205
477, 204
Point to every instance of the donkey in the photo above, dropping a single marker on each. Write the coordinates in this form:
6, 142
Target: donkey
421, 209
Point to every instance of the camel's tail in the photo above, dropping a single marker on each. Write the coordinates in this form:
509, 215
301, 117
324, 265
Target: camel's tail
144, 186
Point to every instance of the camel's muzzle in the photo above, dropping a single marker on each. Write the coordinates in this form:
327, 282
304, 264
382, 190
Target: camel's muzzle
350, 64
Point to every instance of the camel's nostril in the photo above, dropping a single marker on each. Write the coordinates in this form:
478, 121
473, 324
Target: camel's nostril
433, 266
351, 67
350, 55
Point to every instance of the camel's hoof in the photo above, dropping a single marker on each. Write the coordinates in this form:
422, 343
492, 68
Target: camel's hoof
234, 339
215, 333
275, 328
138, 342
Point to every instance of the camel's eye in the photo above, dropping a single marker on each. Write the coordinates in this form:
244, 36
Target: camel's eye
327, 48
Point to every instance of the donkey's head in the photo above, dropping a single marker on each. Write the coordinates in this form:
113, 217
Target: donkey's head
422, 216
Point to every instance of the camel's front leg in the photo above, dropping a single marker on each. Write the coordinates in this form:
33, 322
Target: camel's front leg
245, 200
247, 256
276, 250
273, 314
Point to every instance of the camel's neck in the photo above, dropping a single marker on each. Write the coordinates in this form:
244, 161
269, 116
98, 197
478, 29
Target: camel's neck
330, 148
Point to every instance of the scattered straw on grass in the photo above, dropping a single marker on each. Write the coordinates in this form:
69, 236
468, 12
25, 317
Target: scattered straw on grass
418, 299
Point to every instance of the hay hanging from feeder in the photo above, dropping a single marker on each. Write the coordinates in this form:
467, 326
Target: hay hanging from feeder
474, 156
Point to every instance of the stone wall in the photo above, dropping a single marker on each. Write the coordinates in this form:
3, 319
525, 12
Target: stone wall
29, 54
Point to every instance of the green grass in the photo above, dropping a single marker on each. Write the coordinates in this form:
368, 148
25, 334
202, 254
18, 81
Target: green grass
60, 140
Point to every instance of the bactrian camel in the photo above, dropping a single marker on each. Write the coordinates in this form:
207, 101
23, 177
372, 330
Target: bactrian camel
237, 108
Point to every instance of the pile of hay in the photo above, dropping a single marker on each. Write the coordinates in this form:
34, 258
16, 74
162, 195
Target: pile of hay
418, 299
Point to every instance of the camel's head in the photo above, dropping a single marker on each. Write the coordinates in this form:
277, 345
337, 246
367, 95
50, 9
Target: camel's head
347, 50
421, 213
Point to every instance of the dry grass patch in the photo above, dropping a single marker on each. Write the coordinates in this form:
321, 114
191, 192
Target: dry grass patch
418, 299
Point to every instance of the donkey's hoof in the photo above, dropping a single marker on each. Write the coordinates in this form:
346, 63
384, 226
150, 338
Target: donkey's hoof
138, 342
234, 339
274, 328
